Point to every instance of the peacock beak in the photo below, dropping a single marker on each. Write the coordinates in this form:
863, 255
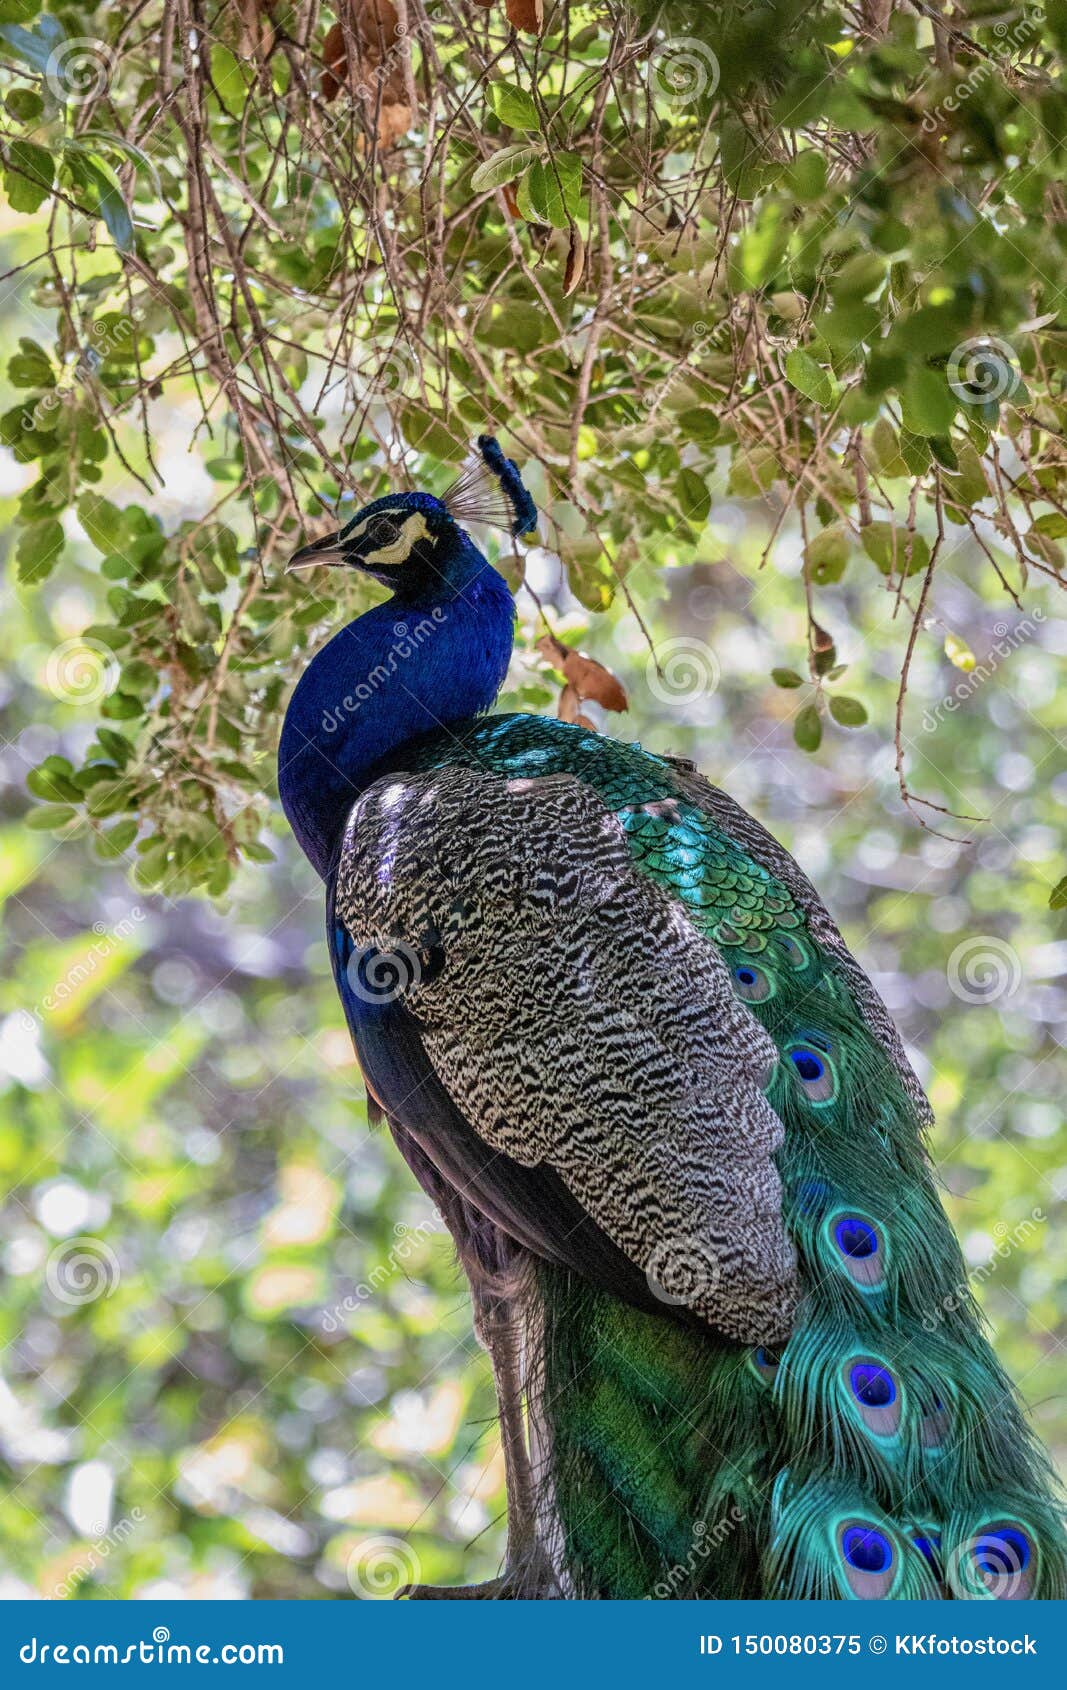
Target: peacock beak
327, 550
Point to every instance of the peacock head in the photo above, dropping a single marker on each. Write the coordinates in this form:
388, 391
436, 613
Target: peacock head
413, 542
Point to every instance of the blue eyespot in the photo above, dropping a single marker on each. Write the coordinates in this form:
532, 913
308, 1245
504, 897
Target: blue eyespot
867, 1550
812, 1196
821, 1042
855, 1238
752, 984
929, 1546
766, 1362
871, 1385
794, 952
808, 1065
1002, 1551
814, 1071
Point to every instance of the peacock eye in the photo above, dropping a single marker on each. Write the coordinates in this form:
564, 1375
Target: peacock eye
384, 531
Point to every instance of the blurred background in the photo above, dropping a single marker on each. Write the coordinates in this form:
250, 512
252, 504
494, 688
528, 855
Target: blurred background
236, 1354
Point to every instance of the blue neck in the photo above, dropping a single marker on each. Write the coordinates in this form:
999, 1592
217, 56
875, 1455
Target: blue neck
404, 669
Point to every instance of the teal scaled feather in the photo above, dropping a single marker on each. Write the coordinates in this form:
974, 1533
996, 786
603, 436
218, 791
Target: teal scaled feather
871, 1445
952, 1446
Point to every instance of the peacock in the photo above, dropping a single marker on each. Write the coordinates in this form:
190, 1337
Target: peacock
666, 1117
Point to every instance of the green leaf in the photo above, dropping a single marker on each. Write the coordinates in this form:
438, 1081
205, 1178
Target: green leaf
24, 104
1052, 524
503, 167
845, 328
513, 106
806, 176
698, 423
807, 728
46, 818
568, 109
110, 201
847, 712
29, 175
33, 46
427, 432
928, 405
553, 190
694, 499
786, 678
1058, 897
39, 549
30, 366
886, 546
230, 79
809, 378
51, 780
828, 554
101, 520
116, 839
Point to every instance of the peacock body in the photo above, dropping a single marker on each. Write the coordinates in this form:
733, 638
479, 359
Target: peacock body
622, 1045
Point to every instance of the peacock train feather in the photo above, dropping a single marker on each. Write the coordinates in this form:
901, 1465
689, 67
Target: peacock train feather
666, 1116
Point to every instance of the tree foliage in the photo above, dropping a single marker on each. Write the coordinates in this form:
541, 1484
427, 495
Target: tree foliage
801, 258
766, 299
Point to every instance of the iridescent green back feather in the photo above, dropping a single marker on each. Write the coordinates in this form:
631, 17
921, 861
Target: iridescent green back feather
883, 1452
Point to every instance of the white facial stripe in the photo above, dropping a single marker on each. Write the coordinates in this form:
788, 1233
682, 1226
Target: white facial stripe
391, 511
412, 529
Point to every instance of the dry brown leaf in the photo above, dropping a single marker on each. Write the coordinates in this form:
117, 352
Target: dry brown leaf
376, 78
335, 62
511, 200
569, 703
589, 678
527, 14
574, 269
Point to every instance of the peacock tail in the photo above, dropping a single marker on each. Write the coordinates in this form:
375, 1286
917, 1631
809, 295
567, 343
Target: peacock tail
880, 1451
666, 1117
